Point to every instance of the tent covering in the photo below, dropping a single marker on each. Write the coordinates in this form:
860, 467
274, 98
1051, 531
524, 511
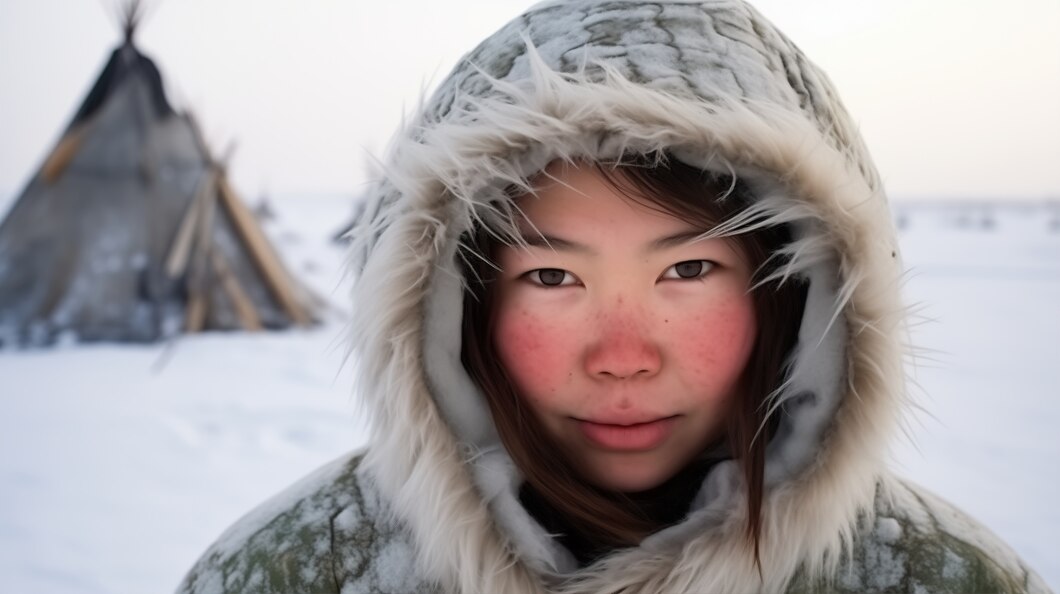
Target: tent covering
130, 231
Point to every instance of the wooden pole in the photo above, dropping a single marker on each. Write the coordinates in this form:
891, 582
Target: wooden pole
268, 263
64, 152
177, 261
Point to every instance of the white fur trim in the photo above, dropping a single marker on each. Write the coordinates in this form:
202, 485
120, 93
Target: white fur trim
434, 451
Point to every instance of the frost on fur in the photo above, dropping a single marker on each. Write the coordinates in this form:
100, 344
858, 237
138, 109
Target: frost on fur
458, 168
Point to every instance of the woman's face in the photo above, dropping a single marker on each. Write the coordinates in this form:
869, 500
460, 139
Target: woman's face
624, 335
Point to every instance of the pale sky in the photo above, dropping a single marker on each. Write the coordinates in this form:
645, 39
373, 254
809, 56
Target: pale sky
956, 98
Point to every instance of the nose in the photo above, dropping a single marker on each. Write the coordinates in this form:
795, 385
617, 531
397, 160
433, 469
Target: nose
623, 348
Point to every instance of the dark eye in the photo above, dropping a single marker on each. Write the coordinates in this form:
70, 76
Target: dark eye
688, 269
549, 277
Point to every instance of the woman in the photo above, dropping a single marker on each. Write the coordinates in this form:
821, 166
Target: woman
627, 321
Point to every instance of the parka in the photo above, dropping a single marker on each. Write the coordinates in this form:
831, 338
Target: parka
432, 504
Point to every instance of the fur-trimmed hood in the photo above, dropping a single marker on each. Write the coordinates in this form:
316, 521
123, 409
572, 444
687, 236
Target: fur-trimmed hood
717, 86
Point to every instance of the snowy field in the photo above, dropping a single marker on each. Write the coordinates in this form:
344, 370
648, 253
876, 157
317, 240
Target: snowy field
120, 464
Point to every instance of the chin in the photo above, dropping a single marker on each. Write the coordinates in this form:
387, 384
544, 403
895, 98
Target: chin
630, 477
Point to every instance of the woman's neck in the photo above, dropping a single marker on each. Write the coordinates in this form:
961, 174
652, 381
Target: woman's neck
663, 506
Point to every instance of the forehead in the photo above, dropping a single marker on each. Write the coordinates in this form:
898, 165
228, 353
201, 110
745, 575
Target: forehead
580, 197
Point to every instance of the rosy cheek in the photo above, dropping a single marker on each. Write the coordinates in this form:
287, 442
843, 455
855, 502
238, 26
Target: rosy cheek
717, 342
535, 350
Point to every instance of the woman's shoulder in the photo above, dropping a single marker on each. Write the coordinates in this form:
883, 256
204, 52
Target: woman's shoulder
918, 542
328, 532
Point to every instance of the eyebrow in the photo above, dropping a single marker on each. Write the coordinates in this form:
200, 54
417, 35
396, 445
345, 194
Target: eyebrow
676, 239
544, 240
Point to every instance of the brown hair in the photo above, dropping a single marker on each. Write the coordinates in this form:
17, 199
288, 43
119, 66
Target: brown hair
605, 519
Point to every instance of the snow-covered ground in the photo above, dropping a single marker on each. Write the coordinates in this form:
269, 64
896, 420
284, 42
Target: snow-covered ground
986, 283
120, 464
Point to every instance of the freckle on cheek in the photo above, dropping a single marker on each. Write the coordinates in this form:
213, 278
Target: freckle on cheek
718, 341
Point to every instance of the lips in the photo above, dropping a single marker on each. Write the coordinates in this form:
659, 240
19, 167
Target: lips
633, 437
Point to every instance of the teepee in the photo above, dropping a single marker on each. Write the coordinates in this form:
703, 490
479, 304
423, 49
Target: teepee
130, 231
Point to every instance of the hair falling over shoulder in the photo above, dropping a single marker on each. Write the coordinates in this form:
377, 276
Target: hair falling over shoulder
609, 520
